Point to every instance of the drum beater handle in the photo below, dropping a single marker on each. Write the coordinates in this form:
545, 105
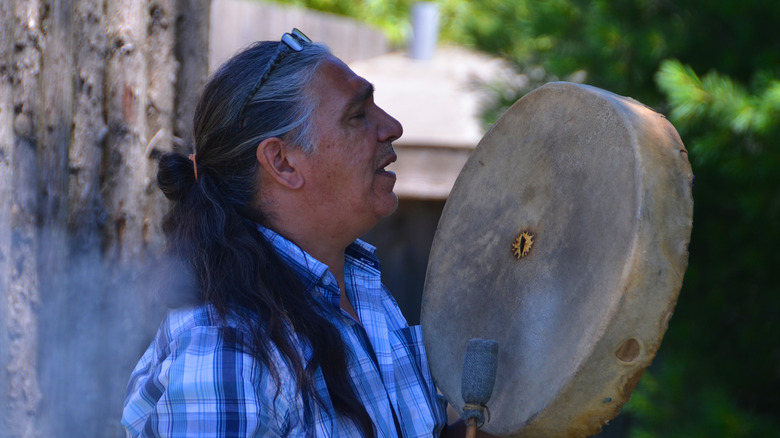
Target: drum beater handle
478, 379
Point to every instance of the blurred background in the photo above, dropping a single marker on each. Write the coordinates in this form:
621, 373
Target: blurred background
92, 91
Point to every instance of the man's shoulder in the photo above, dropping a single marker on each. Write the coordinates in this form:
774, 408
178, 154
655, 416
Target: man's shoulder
184, 324
182, 319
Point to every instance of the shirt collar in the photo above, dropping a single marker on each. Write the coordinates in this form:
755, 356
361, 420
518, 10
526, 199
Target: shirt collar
312, 272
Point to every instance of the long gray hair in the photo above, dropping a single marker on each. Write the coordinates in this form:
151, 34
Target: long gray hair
212, 232
281, 107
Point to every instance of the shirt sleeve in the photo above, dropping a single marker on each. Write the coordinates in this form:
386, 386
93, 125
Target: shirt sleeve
208, 386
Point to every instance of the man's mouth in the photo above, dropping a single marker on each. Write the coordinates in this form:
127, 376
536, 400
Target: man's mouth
382, 168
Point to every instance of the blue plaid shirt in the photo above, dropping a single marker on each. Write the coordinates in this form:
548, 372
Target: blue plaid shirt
193, 381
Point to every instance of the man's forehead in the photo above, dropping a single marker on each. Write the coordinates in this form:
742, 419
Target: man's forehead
338, 77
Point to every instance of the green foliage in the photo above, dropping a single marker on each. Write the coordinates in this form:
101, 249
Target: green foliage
666, 406
391, 17
620, 43
724, 343
717, 98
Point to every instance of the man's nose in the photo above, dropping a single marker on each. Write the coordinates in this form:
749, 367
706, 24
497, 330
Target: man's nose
390, 129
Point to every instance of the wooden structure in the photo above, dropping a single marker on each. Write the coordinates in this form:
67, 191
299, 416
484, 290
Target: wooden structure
91, 91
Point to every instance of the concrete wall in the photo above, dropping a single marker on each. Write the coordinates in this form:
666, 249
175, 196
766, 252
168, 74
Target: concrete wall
237, 23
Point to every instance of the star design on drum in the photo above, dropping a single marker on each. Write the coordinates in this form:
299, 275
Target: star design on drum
522, 245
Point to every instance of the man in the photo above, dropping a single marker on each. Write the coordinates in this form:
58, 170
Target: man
280, 325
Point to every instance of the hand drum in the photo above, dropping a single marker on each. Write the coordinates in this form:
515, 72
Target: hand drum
565, 239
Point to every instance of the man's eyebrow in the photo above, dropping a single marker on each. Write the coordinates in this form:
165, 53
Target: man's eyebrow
361, 96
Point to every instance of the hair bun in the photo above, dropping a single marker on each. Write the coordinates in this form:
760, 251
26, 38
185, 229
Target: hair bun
175, 175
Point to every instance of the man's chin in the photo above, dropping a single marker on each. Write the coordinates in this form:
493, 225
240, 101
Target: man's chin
391, 205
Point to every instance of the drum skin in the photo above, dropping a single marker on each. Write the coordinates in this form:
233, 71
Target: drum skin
602, 183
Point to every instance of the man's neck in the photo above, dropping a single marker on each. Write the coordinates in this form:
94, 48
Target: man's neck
320, 239
329, 253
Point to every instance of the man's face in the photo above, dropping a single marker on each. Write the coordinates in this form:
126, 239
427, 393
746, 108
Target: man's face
353, 136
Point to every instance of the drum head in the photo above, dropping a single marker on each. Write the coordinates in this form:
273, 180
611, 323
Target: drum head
564, 239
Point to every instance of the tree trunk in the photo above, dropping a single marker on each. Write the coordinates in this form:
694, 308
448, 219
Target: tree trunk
22, 61
87, 103
193, 35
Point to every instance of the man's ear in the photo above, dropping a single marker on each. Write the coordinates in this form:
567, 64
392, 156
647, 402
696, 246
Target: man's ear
278, 163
